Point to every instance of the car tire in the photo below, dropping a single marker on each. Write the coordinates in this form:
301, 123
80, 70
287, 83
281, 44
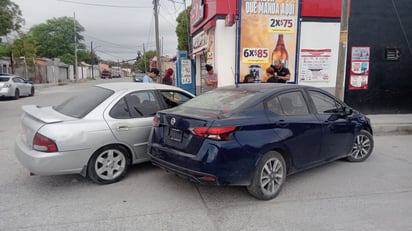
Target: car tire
16, 94
362, 147
108, 165
32, 91
269, 176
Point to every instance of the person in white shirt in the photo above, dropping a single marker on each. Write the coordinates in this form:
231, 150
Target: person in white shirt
151, 76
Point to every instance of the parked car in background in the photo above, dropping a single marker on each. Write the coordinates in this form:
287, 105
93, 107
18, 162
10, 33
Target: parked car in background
98, 137
116, 75
138, 77
15, 86
106, 74
256, 134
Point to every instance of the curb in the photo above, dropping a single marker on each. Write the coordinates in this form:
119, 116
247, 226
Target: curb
392, 129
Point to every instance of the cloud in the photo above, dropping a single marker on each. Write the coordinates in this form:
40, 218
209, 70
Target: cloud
117, 33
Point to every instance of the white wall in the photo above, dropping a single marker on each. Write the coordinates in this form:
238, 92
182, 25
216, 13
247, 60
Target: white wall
225, 53
321, 35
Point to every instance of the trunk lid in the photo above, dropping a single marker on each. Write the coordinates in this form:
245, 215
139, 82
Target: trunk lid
34, 118
176, 128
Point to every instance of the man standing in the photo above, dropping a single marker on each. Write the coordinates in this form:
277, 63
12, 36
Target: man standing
281, 73
151, 76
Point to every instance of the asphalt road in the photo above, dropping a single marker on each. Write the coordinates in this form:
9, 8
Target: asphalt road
373, 195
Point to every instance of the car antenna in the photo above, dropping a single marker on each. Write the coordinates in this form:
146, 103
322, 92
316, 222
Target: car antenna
234, 75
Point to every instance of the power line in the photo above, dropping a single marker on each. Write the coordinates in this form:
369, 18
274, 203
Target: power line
102, 5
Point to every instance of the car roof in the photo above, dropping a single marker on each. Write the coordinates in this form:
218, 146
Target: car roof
118, 86
261, 87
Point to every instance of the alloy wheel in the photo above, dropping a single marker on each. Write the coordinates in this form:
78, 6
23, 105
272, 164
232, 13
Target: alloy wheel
271, 177
361, 147
110, 164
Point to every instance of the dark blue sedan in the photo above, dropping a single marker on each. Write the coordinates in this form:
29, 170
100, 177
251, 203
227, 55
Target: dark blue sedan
255, 135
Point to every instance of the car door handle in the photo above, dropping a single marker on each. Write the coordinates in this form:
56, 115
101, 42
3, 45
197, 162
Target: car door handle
282, 123
123, 128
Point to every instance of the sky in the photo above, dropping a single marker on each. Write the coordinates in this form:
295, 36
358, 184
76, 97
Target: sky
118, 29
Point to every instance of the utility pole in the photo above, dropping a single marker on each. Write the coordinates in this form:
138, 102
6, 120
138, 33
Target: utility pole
92, 58
144, 58
343, 45
156, 8
75, 47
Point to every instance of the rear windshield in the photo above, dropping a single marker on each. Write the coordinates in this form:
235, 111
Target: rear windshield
83, 102
227, 100
4, 79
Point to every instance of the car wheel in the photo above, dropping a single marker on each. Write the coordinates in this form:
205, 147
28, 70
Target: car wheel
31, 91
269, 176
362, 147
16, 94
108, 165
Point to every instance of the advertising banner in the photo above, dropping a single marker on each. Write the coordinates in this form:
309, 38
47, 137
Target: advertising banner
359, 68
315, 64
268, 33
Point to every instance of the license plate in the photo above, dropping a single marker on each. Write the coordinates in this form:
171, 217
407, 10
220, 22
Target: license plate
175, 134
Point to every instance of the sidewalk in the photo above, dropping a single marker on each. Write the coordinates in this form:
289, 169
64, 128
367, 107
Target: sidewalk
391, 124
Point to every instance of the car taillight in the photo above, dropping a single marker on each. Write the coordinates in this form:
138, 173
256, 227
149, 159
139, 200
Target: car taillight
44, 144
156, 121
215, 133
7, 85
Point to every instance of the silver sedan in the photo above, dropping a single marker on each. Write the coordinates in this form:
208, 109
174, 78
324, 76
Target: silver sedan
97, 133
15, 86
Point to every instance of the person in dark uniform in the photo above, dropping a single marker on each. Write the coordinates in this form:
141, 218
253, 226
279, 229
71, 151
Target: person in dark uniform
282, 73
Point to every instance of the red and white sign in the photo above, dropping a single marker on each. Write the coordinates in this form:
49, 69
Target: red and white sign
197, 13
315, 64
359, 68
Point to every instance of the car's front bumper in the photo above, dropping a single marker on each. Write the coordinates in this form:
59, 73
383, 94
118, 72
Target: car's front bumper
55, 163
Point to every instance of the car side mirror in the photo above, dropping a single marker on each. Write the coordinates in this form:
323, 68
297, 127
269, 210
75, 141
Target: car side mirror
347, 111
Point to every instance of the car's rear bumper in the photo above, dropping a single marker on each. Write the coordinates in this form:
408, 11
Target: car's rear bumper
195, 176
55, 163
6, 92
209, 166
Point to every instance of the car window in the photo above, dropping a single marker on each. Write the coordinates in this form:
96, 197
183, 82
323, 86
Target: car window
293, 103
324, 103
4, 79
273, 105
149, 104
174, 98
220, 100
83, 102
18, 80
120, 110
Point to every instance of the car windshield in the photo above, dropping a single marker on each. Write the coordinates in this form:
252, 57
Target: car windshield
4, 79
84, 102
220, 100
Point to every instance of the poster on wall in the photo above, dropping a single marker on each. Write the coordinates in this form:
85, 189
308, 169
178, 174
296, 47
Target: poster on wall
268, 33
186, 72
315, 65
359, 68
211, 47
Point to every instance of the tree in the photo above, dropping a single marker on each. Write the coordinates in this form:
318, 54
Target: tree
10, 17
182, 29
24, 46
55, 38
144, 62
4, 50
